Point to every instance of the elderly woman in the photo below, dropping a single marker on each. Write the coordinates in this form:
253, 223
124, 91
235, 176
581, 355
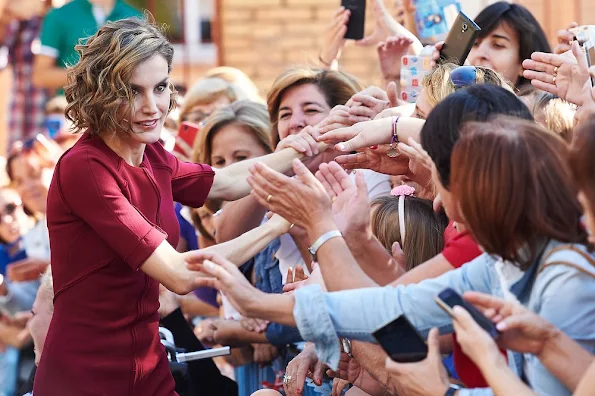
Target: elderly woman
112, 222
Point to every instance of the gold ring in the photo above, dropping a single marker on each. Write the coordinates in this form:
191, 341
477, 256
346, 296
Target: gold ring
555, 70
554, 80
269, 198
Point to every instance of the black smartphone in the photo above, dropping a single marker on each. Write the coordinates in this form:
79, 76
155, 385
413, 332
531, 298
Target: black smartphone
401, 341
448, 299
460, 39
357, 19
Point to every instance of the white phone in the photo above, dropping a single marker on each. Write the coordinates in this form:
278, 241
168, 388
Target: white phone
206, 354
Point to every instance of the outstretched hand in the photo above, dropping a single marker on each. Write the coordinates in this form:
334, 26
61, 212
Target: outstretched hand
562, 75
225, 276
301, 200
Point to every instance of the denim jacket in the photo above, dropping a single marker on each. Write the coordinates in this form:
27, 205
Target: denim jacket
562, 294
268, 278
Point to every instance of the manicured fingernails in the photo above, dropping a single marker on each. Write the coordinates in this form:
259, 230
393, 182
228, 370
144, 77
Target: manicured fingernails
374, 147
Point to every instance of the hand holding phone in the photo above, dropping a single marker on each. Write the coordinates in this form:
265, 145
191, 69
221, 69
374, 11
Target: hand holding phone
448, 299
185, 140
401, 341
357, 19
460, 39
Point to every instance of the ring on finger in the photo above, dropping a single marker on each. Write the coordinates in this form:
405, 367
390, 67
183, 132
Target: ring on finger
286, 379
554, 80
269, 197
555, 70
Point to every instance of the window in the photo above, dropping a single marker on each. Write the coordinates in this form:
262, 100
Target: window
188, 24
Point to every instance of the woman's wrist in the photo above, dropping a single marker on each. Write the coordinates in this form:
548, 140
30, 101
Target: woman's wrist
319, 228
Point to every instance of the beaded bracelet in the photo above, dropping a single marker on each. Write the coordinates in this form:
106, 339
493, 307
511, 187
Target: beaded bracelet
393, 152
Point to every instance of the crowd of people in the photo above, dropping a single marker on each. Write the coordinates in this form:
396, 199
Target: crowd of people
298, 222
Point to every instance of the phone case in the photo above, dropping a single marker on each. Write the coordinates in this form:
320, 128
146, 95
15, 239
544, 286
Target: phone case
460, 39
452, 299
357, 19
401, 341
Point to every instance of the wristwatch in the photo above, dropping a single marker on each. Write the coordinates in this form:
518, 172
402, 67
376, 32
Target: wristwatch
452, 389
321, 240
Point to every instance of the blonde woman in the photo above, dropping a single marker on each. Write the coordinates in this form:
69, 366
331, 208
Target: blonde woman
111, 218
204, 97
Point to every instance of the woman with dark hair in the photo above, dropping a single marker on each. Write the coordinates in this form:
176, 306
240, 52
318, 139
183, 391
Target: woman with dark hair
509, 35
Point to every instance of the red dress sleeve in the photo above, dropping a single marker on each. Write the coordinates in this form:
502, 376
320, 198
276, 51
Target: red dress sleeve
89, 189
191, 183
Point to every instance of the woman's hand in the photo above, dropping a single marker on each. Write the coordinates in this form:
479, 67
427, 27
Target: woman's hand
254, 325
416, 153
205, 332
264, 354
304, 142
428, 377
562, 75
338, 117
390, 53
376, 159
475, 341
366, 107
351, 205
225, 276
315, 278
339, 386
301, 200
521, 330
26, 269
565, 38
435, 57
360, 135
279, 223
334, 40
168, 301
306, 364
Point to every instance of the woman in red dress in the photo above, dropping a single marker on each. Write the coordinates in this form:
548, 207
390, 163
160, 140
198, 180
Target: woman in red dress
112, 223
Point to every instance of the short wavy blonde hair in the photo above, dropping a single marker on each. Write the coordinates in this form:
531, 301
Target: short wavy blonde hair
336, 87
252, 115
98, 92
438, 85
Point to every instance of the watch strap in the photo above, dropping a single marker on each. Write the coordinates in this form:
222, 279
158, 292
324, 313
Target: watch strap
452, 389
321, 240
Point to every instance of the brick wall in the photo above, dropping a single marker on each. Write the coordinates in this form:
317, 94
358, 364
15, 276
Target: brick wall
264, 37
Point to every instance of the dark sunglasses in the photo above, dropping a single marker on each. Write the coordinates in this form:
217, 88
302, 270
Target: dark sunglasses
9, 210
463, 76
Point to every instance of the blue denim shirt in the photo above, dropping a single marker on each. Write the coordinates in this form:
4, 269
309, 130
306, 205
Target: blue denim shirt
562, 294
268, 279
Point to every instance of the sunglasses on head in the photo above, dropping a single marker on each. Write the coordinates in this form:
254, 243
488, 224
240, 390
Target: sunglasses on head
463, 76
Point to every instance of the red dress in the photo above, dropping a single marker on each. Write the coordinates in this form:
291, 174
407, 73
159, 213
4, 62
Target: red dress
105, 219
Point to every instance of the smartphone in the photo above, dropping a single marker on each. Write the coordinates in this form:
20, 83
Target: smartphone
401, 341
186, 133
448, 299
460, 39
205, 354
357, 19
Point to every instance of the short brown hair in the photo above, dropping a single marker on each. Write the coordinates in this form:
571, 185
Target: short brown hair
581, 161
424, 228
337, 88
98, 86
514, 188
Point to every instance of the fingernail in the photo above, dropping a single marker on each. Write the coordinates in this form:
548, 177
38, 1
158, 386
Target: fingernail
374, 147
341, 147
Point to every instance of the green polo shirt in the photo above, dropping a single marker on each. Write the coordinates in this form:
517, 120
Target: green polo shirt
64, 26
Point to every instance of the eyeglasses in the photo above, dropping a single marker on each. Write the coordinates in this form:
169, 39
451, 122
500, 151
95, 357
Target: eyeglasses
463, 76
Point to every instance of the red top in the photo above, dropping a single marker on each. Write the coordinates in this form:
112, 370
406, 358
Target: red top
459, 250
105, 219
